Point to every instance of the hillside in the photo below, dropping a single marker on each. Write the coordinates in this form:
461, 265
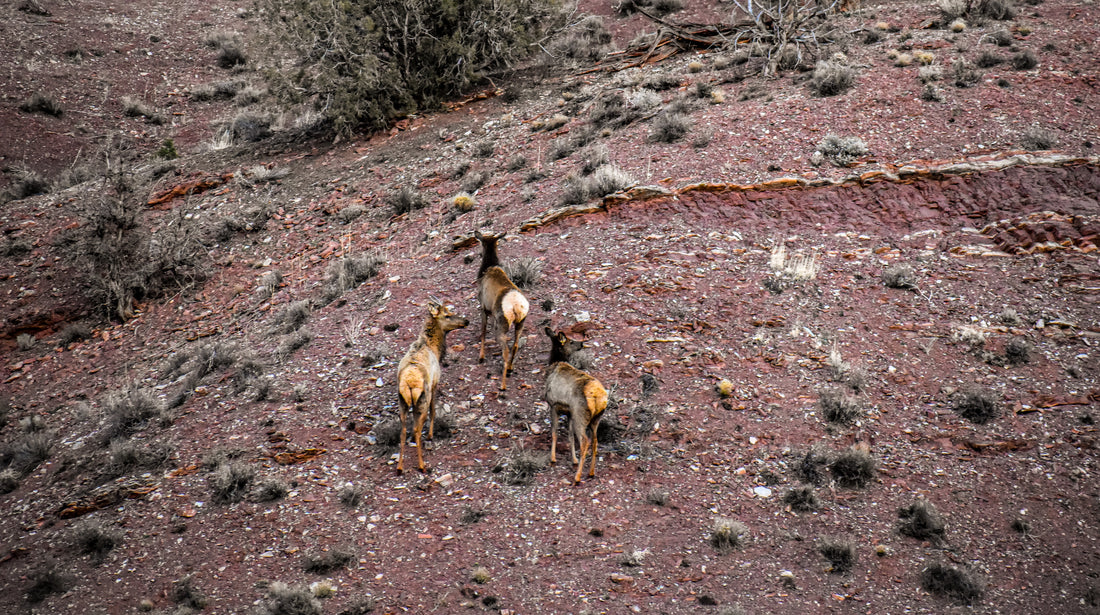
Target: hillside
935, 295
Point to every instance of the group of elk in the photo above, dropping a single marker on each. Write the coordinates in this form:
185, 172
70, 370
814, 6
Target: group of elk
568, 390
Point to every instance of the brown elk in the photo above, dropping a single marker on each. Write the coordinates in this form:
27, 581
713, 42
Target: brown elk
575, 393
419, 373
500, 299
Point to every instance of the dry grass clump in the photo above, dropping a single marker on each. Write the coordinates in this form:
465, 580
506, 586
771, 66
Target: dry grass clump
1017, 351
231, 481
899, 276
350, 213
326, 561
831, 78
989, 59
810, 466
283, 599
73, 333
840, 553
525, 272
964, 74
464, 202
47, 580
922, 521
977, 406
293, 343
802, 499
405, 200
521, 466
44, 104
839, 407
728, 534
853, 468
1037, 138
347, 273
1024, 60
607, 179
185, 594
670, 126
657, 497
270, 490
28, 451
292, 317
585, 41
9, 480
480, 575
129, 412
130, 456
131, 107
951, 582
92, 539
839, 151
350, 495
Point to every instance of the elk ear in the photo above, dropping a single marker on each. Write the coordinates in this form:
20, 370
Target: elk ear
549, 331
478, 234
434, 309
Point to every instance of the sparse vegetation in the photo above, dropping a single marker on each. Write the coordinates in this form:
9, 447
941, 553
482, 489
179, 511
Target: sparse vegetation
129, 412
293, 343
951, 582
326, 561
25, 341
42, 103
283, 599
349, 272
350, 495
270, 490
839, 407
853, 468
802, 499
977, 406
1024, 60
129, 456
964, 74
1037, 138
27, 452
405, 200
841, 151
657, 497
810, 466
92, 539
48, 579
670, 126
1017, 351
922, 521
480, 575
9, 480
521, 466
185, 594
525, 271
840, 553
464, 202
382, 59
728, 534
831, 78
231, 481
899, 276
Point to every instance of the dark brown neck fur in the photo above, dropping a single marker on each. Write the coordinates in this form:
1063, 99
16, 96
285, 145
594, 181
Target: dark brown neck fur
557, 353
434, 337
489, 257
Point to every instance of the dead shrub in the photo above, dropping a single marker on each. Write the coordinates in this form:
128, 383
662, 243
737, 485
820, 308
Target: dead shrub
810, 466
841, 151
585, 41
1025, 60
840, 553
922, 521
326, 561
349, 272
270, 490
832, 78
94, 540
405, 200
283, 599
27, 452
899, 276
185, 594
47, 580
230, 482
44, 104
521, 466
1017, 351
129, 412
977, 406
669, 127
129, 456
728, 534
951, 582
657, 497
525, 272
839, 407
350, 495
853, 468
1037, 138
964, 74
802, 499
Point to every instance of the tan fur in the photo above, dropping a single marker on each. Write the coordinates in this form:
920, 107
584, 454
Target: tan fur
418, 377
583, 398
507, 306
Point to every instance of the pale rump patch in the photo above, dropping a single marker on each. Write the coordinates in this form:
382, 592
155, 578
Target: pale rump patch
514, 306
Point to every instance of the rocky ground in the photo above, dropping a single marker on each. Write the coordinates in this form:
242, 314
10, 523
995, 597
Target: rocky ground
948, 264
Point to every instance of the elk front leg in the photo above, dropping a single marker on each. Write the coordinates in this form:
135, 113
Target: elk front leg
553, 434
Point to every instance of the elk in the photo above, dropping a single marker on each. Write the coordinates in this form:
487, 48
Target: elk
500, 299
575, 393
419, 373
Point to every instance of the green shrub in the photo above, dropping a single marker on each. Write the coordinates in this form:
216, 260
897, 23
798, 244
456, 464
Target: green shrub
375, 60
